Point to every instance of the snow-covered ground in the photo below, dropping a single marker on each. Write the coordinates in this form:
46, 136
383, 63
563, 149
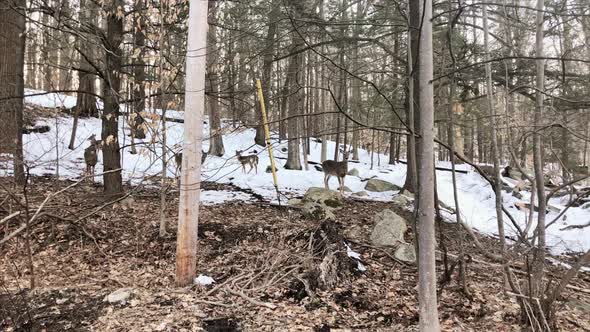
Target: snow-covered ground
476, 197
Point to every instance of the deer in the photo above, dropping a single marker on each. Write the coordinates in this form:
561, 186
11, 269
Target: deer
335, 168
178, 160
91, 155
251, 160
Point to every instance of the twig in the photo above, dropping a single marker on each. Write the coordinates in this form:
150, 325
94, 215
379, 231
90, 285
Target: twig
8, 217
383, 251
214, 289
251, 300
570, 226
225, 305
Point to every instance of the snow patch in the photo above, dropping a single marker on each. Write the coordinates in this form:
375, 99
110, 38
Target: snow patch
204, 280
46, 153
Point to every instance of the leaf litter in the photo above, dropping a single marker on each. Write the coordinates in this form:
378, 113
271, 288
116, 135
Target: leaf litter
273, 271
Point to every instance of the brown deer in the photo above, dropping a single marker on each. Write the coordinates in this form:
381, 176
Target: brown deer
251, 160
91, 156
335, 168
178, 160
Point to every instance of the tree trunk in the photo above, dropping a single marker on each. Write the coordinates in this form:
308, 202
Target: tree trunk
31, 55
356, 89
113, 184
136, 122
425, 152
190, 179
267, 66
413, 116
216, 139
85, 100
45, 49
537, 287
163, 106
495, 150
293, 155
12, 58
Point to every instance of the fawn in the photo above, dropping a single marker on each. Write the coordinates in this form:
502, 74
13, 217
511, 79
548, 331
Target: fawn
91, 155
178, 160
251, 160
335, 168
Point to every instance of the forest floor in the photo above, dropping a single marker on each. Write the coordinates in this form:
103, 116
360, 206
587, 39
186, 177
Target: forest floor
261, 257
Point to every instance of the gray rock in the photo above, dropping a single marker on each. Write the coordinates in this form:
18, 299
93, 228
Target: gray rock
348, 190
121, 295
269, 169
355, 232
323, 196
402, 200
406, 193
405, 253
295, 201
377, 185
360, 194
317, 211
389, 229
353, 172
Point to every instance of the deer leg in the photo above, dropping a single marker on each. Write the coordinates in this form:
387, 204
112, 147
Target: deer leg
326, 180
341, 183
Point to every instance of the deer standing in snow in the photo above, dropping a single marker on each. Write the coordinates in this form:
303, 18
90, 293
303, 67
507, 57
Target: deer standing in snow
338, 169
251, 160
91, 156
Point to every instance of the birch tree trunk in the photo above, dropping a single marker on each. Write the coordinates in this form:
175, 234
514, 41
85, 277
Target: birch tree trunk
190, 178
425, 153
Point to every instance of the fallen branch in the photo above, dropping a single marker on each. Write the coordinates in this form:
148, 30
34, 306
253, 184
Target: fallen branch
213, 303
251, 300
10, 216
575, 226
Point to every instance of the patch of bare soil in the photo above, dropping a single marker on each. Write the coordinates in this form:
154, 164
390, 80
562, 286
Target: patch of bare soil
274, 271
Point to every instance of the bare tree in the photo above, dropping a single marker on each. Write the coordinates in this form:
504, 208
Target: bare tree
425, 153
190, 179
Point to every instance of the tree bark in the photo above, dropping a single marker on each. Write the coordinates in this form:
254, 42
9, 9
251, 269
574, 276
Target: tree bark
268, 52
216, 147
190, 179
425, 152
293, 153
85, 100
12, 58
495, 150
537, 288
113, 184
413, 116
